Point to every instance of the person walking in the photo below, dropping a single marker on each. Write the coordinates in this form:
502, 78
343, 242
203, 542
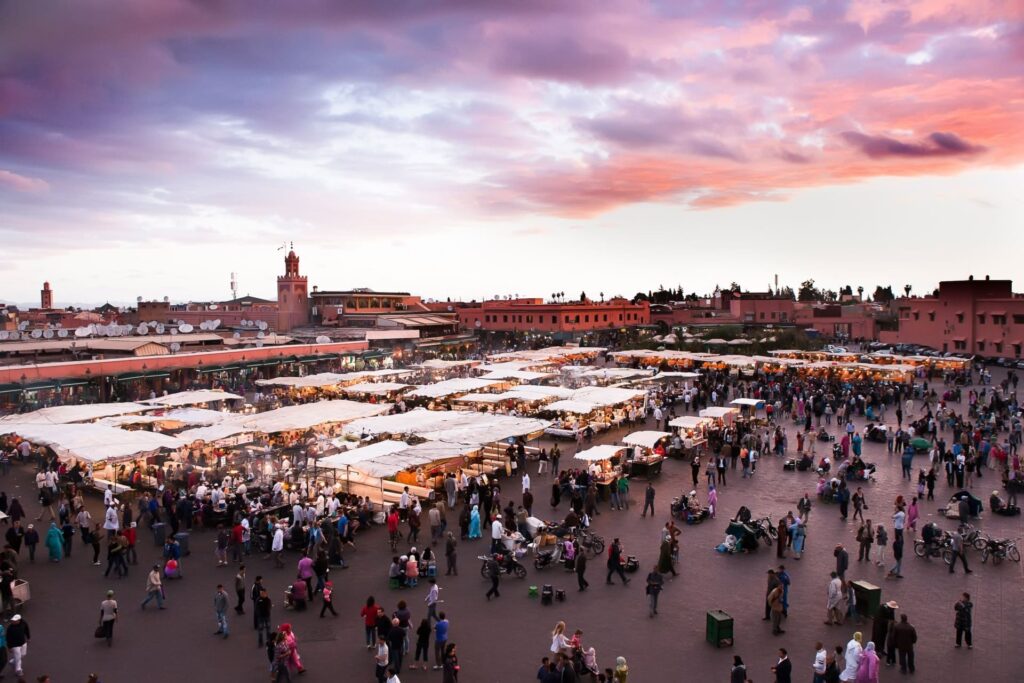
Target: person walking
859, 504
154, 588
220, 608
655, 581
881, 541
450, 555
648, 500
865, 539
842, 561
615, 563
581, 569
440, 640
240, 589
494, 574
783, 668
422, 645
108, 615
964, 609
327, 599
897, 554
820, 663
738, 673
773, 583
433, 599
261, 610
18, 637
381, 657
835, 597
904, 638
774, 600
957, 546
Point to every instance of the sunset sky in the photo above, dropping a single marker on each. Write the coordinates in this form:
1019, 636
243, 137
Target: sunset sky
472, 148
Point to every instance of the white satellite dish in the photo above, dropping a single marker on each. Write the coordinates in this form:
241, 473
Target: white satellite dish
82, 332
243, 322
323, 339
185, 329
160, 328
262, 325
175, 347
213, 307
14, 336
174, 330
260, 335
62, 333
259, 344
214, 324
23, 325
142, 328
152, 323
37, 334
237, 335
48, 334
3, 335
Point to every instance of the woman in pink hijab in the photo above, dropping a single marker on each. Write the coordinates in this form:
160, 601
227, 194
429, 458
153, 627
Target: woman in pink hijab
712, 501
867, 670
912, 515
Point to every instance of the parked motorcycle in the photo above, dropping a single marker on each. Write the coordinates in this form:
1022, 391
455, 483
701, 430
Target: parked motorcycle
507, 563
765, 530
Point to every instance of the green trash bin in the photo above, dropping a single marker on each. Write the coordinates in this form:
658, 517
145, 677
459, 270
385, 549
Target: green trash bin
719, 629
869, 598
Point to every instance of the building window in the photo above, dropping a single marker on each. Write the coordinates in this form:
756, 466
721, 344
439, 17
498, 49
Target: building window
762, 315
554, 320
1018, 319
1016, 350
917, 315
620, 317
504, 318
960, 345
586, 318
783, 316
566, 318
999, 320
931, 316
605, 317
959, 317
577, 319
999, 347
981, 318
529, 318
981, 346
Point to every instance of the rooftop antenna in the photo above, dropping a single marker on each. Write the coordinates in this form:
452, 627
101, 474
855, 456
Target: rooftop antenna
234, 285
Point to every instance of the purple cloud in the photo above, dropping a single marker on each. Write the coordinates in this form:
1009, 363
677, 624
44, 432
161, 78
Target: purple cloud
935, 145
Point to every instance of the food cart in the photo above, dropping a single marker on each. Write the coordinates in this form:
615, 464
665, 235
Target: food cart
646, 452
603, 462
694, 432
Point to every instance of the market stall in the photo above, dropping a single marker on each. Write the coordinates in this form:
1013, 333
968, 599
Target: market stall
646, 453
720, 415
693, 430
192, 398
604, 462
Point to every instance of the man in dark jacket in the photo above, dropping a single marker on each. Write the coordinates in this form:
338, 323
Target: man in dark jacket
581, 569
842, 561
904, 638
615, 563
18, 635
783, 669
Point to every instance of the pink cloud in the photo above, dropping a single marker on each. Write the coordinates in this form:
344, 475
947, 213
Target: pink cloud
21, 183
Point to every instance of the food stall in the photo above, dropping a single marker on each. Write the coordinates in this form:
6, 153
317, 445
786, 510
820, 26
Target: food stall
748, 410
646, 453
603, 462
694, 432
720, 415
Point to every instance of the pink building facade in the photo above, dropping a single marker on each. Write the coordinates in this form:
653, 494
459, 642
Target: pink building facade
982, 317
534, 315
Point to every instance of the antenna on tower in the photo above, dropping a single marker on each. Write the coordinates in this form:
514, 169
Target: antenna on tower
234, 285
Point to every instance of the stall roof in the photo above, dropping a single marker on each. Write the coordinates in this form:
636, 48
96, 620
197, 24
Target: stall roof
414, 456
482, 398
91, 442
647, 439
77, 413
377, 388
677, 375
189, 416
754, 402
449, 425
189, 398
617, 373
457, 385
718, 411
603, 452
523, 375
606, 396
438, 364
688, 421
532, 392
572, 406
358, 455
286, 419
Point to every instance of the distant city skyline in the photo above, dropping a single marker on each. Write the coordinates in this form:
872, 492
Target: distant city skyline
464, 150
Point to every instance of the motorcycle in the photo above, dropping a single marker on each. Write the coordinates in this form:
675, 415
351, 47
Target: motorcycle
939, 546
550, 555
507, 564
999, 550
765, 530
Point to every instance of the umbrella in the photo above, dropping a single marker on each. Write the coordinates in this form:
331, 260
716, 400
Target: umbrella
920, 444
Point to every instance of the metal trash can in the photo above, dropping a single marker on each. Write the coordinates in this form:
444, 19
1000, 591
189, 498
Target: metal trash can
182, 538
160, 534
719, 629
869, 598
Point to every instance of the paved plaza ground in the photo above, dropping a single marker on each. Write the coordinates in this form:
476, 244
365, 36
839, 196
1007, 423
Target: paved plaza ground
503, 640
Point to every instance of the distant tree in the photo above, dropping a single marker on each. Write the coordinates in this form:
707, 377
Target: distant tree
734, 287
829, 295
692, 296
640, 296
846, 291
907, 288
583, 296
808, 292
883, 295
786, 293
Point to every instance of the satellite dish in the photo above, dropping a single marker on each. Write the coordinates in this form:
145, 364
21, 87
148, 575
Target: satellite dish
237, 335
48, 334
23, 325
62, 333
185, 329
243, 322
14, 336
323, 339
262, 325
175, 347
160, 328
213, 307
142, 328
259, 344
214, 324
451, 308
37, 334
260, 335
174, 330
82, 332
477, 323
3, 335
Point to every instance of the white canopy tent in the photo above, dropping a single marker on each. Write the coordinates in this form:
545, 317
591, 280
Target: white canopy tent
286, 419
689, 422
531, 392
92, 442
438, 364
358, 455
188, 416
455, 426
457, 385
191, 398
77, 413
716, 412
481, 398
603, 452
521, 375
573, 406
647, 439
413, 456
376, 388
748, 402
606, 396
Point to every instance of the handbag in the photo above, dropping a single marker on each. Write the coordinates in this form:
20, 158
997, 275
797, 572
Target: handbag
99, 633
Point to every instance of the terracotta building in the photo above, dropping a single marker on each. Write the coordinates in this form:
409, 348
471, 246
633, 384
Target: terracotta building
46, 297
534, 315
292, 295
982, 317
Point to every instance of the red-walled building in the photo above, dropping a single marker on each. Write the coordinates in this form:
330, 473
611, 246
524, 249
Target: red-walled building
971, 316
534, 315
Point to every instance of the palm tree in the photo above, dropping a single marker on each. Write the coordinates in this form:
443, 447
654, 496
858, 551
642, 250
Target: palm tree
907, 288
